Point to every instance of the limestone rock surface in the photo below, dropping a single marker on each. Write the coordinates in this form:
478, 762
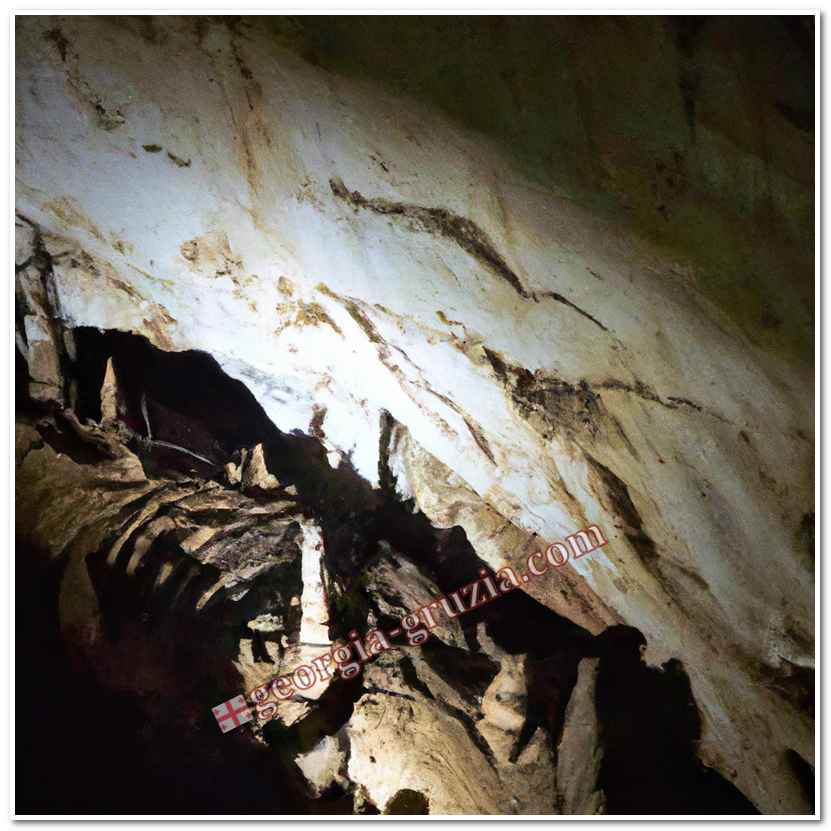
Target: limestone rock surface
354, 255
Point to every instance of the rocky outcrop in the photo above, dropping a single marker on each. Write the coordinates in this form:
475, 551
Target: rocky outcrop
399, 587
446, 761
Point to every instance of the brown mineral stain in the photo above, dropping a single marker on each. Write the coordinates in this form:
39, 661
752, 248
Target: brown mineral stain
252, 133
92, 272
446, 320
123, 248
178, 160
211, 252
313, 314
67, 211
125, 287
306, 314
152, 277
158, 325
316, 424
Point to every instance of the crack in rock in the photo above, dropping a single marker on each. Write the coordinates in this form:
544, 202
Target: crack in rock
438, 222
459, 229
672, 402
553, 295
552, 404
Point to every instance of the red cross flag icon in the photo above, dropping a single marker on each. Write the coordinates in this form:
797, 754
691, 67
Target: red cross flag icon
231, 714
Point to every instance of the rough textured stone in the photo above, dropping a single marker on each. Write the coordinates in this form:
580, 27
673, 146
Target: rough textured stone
504, 707
554, 361
109, 397
322, 766
399, 588
254, 471
580, 752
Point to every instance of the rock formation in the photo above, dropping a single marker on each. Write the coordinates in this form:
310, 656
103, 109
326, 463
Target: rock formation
312, 327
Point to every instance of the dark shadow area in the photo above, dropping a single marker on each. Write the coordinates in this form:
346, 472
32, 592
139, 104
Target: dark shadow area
804, 773
408, 801
85, 748
650, 729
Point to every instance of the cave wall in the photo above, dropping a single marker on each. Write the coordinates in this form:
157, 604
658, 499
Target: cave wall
581, 289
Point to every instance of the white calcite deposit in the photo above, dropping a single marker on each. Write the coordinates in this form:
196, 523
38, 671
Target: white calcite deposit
348, 253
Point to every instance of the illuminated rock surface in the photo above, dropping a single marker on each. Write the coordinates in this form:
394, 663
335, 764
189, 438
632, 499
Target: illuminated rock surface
617, 332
